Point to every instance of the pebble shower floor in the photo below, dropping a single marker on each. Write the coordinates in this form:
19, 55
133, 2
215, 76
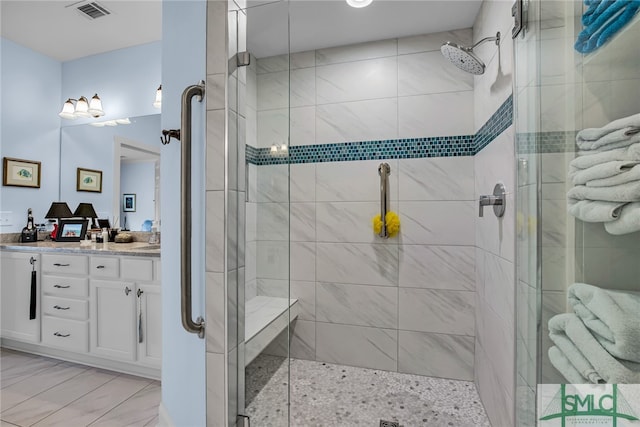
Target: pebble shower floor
323, 394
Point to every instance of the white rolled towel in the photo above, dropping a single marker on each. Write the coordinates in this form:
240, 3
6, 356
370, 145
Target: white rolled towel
629, 192
611, 316
586, 354
617, 139
595, 211
587, 159
592, 134
628, 221
625, 175
603, 170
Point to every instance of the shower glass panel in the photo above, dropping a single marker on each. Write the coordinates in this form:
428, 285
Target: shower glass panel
263, 127
559, 92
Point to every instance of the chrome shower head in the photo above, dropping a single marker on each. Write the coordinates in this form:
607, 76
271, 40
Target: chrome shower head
464, 58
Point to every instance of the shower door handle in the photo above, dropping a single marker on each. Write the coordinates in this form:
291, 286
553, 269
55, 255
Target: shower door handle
197, 326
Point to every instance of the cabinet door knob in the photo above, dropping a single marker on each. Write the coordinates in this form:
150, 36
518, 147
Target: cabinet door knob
57, 264
127, 290
57, 307
140, 292
58, 334
99, 266
62, 286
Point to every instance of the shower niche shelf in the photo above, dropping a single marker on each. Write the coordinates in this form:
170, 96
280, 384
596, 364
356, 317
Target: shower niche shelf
265, 319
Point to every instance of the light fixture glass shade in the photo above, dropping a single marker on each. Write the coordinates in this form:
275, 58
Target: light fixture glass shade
158, 102
82, 107
111, 123
67, 110
359, 3
124, 121
95, 106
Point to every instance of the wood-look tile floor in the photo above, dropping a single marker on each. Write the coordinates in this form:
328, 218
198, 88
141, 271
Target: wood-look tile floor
39, 391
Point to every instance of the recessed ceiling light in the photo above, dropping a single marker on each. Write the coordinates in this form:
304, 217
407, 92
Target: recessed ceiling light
359, 3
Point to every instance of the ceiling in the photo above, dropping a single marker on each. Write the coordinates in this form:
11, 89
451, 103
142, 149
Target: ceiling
57, 29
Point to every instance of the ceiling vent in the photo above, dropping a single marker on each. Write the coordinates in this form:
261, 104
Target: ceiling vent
93, 10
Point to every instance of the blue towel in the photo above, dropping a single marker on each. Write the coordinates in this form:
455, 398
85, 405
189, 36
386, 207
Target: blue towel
603, 19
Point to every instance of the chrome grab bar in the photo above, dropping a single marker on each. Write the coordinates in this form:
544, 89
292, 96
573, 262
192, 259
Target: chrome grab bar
384, 170
196, 327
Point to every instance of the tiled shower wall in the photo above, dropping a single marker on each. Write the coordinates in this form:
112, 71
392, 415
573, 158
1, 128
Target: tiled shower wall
406, 303
495, 237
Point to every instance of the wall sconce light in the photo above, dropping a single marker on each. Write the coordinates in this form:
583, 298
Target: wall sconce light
82, 108
158, 102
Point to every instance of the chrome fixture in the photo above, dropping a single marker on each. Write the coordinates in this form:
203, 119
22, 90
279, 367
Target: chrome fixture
359, 3
497, 200
384, 170
464, 58
74, 108
189, 93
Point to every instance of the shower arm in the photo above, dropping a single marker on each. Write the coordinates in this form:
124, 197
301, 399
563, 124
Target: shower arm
495, 38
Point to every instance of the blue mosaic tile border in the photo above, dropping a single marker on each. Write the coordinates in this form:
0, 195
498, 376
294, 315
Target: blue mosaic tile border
410, 148
546, 142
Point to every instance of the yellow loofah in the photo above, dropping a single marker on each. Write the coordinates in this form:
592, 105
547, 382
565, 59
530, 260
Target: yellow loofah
392, 221
377, 224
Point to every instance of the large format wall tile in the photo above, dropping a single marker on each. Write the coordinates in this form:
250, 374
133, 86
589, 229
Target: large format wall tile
303, 261
348, 222
357, 263
437, 267
353, 181
435, 355
430, 72
357, 121
302, 182
441, 311
357, 346
441, 178
357, 305
357, 52
273, 221
357, 81
433, 41
431, 115
283, 89
437, 223
302, 218
498, 289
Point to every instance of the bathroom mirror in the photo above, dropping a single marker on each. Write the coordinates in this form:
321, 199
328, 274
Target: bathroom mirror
128, 155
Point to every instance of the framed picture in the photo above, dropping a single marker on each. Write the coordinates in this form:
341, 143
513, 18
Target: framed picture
71, 230
89, 180
129, 202
21, 173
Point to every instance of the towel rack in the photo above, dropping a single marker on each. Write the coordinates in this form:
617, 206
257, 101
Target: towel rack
384, 170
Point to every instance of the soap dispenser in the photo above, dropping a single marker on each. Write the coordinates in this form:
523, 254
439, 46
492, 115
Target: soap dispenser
105, 237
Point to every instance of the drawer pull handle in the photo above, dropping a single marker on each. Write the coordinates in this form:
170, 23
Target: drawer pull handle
127, 290
58, 334
99, 266
57, 307
62, 286
57, 264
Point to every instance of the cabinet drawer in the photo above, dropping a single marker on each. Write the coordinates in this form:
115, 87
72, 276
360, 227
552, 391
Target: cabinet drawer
64, 264
137, 269
104, 267
72, 335
65, 307
65, 286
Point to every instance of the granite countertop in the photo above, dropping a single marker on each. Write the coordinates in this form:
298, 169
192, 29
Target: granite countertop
130, 249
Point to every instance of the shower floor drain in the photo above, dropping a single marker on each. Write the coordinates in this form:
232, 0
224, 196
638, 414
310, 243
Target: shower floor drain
384, 423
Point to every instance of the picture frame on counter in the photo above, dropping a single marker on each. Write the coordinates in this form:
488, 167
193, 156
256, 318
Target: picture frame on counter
89, 180
71, 230
21, 173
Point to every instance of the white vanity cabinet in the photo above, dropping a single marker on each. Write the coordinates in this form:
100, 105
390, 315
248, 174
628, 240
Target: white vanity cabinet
103, 310
15, 294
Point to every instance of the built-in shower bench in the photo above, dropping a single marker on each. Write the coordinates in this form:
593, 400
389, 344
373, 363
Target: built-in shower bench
265, 319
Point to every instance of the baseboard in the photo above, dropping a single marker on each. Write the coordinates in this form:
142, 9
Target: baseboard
164, 420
